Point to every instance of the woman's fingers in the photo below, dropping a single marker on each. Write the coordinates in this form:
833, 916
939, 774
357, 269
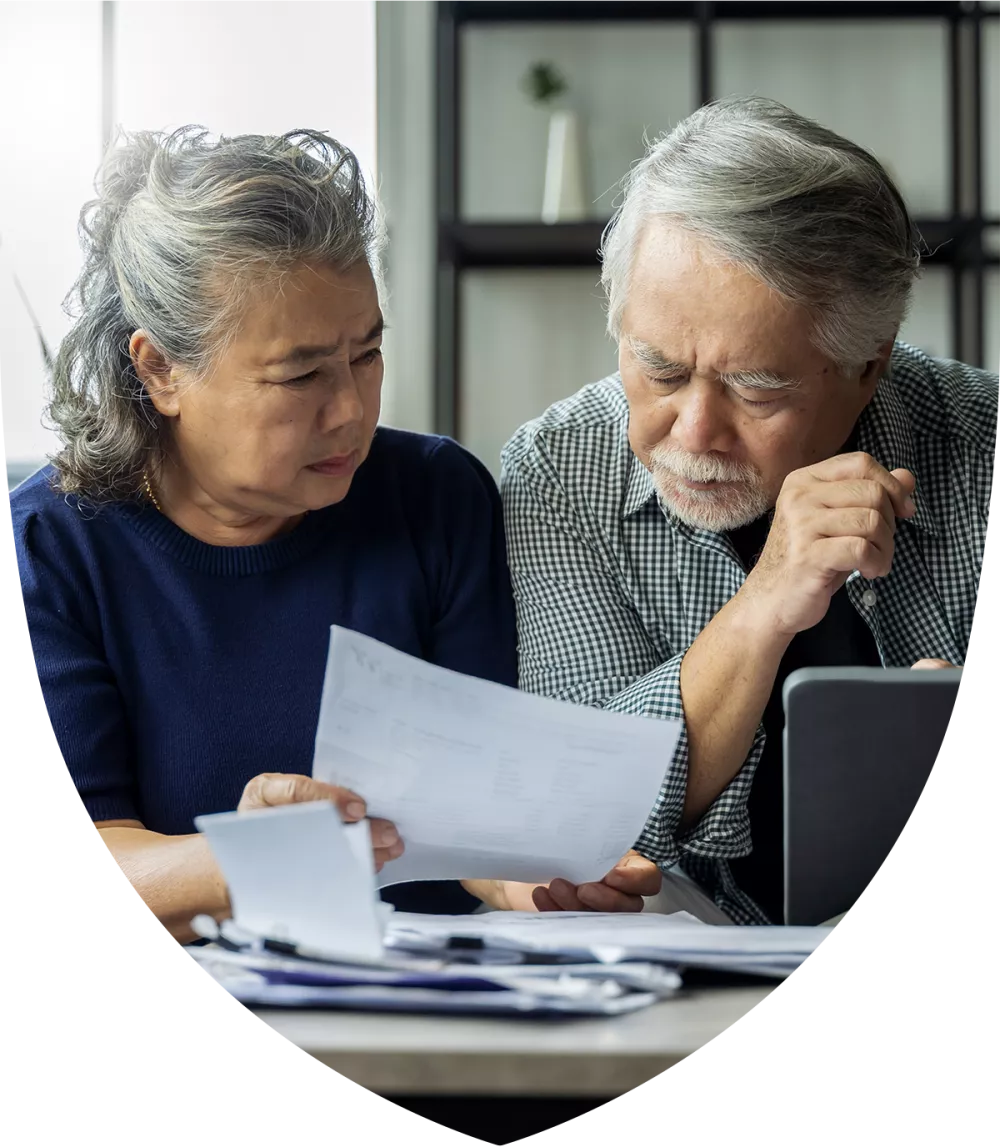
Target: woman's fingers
269, 789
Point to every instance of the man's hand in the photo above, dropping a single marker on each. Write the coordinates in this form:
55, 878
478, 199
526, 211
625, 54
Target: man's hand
933, 663
621, 890
268, 789
830, 519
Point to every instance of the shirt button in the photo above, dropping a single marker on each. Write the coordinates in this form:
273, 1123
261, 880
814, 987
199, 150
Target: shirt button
868, 598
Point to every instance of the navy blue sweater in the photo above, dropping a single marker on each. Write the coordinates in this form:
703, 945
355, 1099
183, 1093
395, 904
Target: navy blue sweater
174, 671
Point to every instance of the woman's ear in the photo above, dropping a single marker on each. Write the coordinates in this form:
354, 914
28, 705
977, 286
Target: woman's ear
155, 373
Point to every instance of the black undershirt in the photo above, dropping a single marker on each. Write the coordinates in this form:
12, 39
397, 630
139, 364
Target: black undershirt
841, 638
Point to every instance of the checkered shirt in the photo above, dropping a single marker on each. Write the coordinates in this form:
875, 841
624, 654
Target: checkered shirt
612, 590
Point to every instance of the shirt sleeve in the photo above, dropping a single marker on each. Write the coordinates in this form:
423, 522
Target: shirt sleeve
79, 687
581, 640
473, 629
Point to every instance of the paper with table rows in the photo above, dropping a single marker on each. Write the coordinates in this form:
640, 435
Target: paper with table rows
484, 781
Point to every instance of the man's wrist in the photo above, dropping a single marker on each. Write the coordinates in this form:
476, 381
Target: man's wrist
757, 622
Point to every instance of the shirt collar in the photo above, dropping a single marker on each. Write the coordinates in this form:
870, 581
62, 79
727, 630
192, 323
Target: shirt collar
639, 488
883, 432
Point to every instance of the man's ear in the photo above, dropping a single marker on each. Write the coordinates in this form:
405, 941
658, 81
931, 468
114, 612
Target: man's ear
875, 368
155, 373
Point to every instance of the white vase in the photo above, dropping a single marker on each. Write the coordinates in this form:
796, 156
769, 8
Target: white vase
564, 199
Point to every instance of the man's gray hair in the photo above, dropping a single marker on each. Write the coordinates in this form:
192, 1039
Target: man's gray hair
184, 229
808, 213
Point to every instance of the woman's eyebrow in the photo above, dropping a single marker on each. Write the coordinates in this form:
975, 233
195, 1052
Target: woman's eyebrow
300, 354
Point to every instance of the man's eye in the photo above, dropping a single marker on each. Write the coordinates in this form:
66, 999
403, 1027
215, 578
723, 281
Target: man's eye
757, 403
665, 379
370, 356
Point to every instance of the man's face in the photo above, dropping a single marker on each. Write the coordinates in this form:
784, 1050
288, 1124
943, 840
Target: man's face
726, 393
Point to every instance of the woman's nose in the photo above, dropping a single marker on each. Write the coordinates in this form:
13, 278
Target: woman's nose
343, 405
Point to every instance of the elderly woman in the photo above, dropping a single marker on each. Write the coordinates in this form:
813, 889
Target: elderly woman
223, 497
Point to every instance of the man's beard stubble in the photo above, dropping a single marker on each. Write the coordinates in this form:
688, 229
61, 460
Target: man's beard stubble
741, 500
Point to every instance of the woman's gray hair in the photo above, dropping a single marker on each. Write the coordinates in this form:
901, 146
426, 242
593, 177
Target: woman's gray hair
183, 230
808, 213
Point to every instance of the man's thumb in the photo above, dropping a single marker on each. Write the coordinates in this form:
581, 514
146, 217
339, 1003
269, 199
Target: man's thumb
906, 479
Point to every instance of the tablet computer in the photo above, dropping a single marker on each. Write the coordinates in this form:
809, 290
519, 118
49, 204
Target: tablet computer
859, 745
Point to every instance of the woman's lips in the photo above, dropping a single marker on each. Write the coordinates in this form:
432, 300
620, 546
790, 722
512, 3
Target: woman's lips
337, 466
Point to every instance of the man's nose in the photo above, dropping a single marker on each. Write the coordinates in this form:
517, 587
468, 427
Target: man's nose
701, 422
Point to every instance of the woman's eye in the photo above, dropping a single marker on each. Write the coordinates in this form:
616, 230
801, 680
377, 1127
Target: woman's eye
302, 379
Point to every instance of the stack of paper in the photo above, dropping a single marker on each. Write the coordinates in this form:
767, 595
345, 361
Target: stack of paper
609, 938
265, 979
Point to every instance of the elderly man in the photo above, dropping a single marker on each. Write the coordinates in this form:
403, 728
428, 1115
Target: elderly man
770, 481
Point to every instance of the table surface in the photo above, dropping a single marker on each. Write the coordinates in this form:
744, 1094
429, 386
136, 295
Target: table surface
467, 1055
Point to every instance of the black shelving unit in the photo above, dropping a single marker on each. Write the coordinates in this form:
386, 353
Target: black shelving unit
956, 241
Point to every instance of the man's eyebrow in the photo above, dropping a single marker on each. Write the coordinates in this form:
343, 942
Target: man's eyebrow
301, 354
652, 359
760, 380
655, 362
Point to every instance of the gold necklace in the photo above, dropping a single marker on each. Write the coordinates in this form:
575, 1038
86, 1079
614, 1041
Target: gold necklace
149, 491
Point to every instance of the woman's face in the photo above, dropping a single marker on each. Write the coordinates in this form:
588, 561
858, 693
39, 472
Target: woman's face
288, 412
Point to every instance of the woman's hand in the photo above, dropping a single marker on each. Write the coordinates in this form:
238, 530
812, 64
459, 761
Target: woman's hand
269, 789
621, 890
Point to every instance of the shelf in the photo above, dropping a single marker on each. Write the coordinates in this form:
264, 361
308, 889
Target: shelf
566, 13
555, 13
866, 10
522, 244
553, 245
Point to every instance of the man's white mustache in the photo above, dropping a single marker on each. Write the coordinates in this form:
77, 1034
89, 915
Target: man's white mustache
698, 468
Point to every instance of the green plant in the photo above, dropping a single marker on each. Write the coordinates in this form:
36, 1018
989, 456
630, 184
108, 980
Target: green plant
543, 82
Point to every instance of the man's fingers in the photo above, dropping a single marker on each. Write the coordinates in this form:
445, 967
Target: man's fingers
857, 522
860, 494
907, 479
564, 894
601, 898
899, 484
543, 901
843, 555
933, 663
635, 875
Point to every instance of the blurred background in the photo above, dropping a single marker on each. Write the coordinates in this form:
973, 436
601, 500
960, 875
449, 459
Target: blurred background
496, 134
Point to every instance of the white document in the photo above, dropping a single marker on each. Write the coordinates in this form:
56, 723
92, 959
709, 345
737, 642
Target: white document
613, 936
297, 873
483, 781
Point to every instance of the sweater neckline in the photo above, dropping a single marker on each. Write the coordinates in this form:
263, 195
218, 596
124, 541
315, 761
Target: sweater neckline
228, 561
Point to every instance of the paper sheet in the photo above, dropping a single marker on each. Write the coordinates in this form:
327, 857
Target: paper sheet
610, 937
296, 872
484, 781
